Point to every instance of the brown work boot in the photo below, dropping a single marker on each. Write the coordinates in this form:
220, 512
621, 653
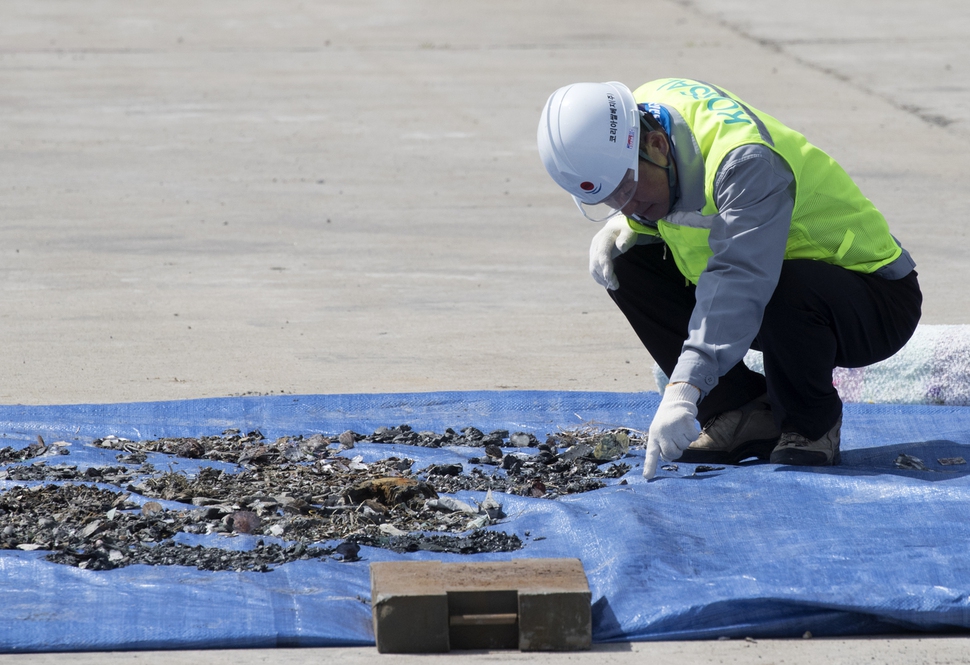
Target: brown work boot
795, 449
735, 435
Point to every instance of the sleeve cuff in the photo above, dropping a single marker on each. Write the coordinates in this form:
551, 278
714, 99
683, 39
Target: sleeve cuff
697, 373
682, 392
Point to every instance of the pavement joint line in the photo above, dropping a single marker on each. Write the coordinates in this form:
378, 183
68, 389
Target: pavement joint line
777, 46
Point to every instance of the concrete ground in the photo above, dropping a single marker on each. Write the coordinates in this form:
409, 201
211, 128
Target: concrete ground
924, 651
202, 198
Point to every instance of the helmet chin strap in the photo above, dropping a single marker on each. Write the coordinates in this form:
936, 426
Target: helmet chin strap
649, 123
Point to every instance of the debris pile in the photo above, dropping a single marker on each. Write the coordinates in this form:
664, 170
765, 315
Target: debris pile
301, 491
38, 449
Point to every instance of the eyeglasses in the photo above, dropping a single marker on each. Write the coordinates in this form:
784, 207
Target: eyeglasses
613, 204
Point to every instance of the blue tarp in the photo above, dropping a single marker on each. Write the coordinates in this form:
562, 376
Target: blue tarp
756, 550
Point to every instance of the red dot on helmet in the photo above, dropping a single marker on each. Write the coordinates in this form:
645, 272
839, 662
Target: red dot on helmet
587, 186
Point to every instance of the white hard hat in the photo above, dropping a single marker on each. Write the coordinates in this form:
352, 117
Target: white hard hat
589, 140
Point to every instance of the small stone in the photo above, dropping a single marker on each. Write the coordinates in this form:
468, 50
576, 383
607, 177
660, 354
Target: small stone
214, 512
576, 452
390, 491
291, 505
391, 530
513, 462
611, 446
245, 521
372, 507
400, 464
349, 551
151, 508
91, 529
444, 470
347, 439
256, 454
191, 449
522, 440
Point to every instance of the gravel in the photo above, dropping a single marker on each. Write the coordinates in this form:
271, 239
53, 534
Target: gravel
300, 497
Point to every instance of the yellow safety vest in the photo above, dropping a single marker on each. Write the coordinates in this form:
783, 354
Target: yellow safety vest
832, 221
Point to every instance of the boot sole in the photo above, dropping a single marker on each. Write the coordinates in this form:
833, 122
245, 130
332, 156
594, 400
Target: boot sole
795, 457
760, 448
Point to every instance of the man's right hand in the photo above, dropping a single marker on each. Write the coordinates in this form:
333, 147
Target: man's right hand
615, 238
674, 426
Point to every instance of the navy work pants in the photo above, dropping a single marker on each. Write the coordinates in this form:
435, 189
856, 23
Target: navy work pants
820, 317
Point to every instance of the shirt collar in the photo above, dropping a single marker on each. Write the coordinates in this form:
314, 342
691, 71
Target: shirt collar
690, 164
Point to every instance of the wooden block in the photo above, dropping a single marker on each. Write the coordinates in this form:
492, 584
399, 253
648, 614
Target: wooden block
429, 606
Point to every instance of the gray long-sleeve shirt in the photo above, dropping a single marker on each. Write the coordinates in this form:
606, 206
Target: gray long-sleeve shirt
754, 190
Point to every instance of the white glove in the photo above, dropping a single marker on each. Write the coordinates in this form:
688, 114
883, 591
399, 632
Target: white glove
615, 238
674, 427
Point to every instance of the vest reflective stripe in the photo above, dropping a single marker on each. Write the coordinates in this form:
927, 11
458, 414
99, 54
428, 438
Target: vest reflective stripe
832, 220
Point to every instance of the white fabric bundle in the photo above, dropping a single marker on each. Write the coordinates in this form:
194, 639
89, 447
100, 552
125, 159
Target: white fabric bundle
933, 368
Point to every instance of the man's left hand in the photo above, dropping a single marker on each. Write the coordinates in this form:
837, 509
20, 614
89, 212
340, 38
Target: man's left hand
615, 238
